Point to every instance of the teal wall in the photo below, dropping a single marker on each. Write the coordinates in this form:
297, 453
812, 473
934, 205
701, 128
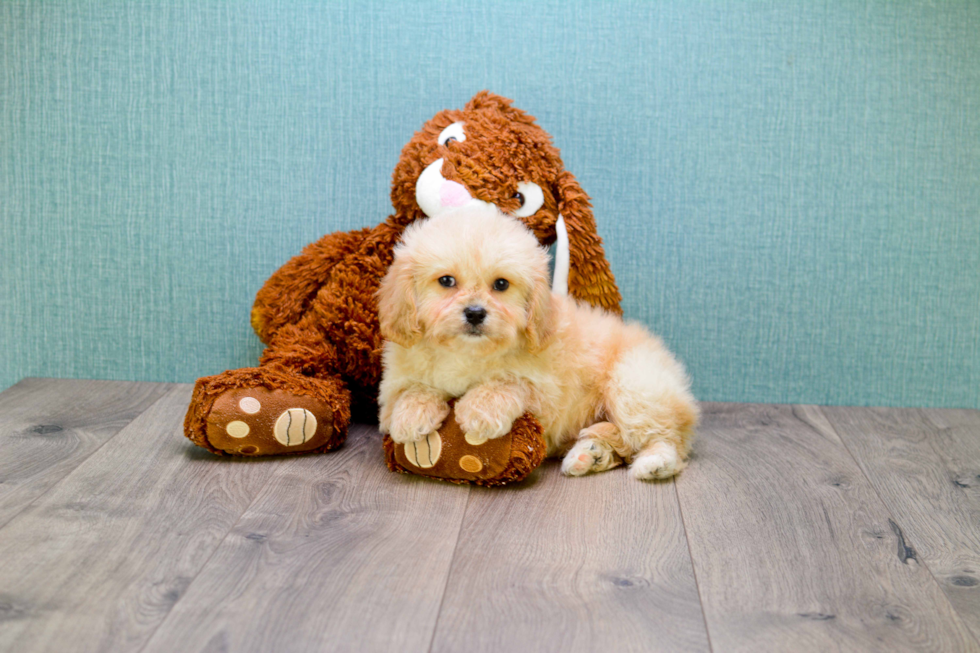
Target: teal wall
789, 190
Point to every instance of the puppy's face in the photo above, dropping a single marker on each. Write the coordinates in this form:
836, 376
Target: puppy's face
472, 298
471, 279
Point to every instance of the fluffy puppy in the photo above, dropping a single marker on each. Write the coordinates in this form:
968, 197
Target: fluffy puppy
468, 312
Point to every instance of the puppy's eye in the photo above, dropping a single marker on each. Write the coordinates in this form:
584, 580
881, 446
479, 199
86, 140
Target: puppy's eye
447, 281
453, 132
501, 285
531, 197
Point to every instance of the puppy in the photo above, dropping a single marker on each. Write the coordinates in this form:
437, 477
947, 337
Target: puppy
468, 312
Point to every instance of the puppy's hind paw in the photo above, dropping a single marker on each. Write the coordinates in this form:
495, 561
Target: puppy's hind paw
657, 462
589, 455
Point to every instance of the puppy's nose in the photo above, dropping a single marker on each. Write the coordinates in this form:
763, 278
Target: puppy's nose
475, 314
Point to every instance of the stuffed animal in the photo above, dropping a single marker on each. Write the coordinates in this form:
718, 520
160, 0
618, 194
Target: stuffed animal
450, 455
318, 313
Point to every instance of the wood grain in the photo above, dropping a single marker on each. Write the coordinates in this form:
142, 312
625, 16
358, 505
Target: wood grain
123, 536
792, 548
336, 554
49, 426
925, 466
572, 564
97, 562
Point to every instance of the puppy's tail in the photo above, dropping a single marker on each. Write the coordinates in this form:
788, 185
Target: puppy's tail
559, 283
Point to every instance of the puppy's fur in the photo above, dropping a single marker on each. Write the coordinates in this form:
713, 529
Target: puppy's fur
604, 391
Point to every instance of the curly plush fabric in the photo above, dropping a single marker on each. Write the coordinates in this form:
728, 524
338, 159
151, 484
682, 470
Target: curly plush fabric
318, 313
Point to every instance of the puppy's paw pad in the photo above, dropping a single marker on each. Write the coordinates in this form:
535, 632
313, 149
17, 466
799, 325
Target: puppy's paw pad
654, 466
576, 466
588, 456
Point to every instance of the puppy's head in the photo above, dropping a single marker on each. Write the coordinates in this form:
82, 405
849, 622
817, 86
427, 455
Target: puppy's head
470, 279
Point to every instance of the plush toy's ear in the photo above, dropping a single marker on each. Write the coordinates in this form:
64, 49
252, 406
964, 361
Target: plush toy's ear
589, 276
397, 311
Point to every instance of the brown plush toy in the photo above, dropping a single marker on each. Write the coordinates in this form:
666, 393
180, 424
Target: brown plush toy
318, 313
450, 455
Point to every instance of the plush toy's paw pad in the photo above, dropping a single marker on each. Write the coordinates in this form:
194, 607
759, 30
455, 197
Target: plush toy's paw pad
588, 455
474, 439
258, 422
424, 453
657, 462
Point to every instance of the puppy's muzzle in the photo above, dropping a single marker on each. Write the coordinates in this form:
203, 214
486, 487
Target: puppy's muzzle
475, 315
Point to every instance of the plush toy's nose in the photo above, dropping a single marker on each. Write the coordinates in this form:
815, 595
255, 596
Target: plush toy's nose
453, 194
475, 314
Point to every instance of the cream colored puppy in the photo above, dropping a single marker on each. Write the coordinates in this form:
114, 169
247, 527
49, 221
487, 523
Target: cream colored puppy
468, 312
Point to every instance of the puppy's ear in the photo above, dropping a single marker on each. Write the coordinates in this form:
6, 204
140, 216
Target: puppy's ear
542, 318
397, 311
589, 276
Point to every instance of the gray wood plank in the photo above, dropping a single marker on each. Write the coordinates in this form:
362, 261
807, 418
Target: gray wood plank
49, 426
336, 554
925, 465
98, 561
583, 564
793, 549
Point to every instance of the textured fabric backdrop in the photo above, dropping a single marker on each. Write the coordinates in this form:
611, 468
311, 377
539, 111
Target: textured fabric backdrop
789, 191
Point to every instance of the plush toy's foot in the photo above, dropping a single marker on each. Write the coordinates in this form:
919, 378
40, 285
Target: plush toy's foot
451, 455
256, 421
262, 412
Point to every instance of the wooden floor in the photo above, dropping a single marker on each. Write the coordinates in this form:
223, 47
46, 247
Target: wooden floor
795, 528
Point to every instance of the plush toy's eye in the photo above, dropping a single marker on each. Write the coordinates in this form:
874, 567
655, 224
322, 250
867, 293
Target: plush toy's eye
453, 132
531, 197
501, 285
447, 281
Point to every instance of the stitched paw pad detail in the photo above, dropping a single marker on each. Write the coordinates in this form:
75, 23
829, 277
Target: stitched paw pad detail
257, 422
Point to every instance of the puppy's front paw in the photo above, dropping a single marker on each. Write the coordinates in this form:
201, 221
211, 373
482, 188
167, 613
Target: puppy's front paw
481, 418
589, 455
414, 418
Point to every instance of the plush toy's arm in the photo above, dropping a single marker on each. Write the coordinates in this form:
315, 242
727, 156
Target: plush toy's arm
287, 294
589, 277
